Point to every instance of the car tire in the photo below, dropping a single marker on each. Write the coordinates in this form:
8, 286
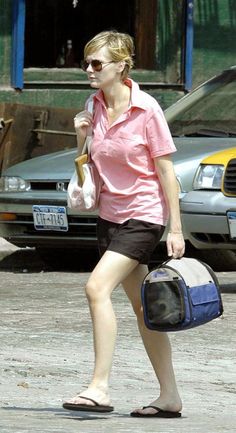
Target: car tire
219, 260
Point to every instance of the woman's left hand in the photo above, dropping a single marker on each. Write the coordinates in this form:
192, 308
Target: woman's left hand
175, 245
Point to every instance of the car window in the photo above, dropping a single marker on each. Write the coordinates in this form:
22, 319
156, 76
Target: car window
212, 115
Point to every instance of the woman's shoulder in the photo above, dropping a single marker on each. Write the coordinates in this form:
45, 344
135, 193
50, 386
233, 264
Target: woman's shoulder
150, 105
144, 99
149, 100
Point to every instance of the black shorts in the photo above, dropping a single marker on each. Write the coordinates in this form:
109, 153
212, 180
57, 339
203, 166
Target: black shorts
135, 239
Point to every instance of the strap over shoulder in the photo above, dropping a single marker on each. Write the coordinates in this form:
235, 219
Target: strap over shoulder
87, 143
89, 105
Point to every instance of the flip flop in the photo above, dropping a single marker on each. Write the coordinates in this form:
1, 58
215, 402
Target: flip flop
88, 408
159, 414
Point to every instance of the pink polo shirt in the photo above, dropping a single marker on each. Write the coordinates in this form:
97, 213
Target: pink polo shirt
123, 153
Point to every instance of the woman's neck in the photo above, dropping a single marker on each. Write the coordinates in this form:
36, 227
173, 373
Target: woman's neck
117, 101
116, 96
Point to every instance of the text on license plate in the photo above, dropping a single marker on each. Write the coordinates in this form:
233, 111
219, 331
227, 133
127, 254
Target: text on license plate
232, 223
50, 218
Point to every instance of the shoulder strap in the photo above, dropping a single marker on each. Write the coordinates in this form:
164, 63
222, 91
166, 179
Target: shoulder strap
90, 105
87, 143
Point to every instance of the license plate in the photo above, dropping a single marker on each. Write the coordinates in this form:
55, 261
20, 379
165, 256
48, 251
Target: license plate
50, 218
232, 224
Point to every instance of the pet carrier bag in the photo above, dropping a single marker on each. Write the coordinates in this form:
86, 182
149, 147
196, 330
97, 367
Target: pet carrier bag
180, 294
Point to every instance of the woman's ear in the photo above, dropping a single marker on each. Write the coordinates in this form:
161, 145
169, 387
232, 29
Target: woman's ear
121, 66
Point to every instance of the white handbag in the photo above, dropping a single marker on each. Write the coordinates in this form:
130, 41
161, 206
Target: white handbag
84, 190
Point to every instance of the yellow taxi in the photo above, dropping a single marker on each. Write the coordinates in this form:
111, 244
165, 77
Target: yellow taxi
209, 210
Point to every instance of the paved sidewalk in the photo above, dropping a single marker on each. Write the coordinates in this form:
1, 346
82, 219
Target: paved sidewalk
46, 357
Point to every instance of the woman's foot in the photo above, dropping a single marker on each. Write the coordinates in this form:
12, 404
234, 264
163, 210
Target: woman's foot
160, 408
91, 400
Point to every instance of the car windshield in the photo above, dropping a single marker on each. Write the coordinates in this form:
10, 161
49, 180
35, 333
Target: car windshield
212, 115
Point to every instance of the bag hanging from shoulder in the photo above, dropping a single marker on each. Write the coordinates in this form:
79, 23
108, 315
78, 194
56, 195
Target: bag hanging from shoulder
85, 185
180, 294
85, 197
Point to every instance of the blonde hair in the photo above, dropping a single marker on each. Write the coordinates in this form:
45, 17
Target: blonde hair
119, 45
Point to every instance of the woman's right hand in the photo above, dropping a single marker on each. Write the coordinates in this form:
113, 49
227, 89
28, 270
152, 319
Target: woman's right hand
82, 121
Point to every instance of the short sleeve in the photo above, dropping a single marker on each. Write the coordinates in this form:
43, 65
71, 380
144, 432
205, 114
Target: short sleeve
158, 135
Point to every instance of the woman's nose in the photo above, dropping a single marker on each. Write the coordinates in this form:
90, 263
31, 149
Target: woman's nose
89, 68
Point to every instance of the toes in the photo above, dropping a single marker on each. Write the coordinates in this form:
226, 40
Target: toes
79, 399
145, 411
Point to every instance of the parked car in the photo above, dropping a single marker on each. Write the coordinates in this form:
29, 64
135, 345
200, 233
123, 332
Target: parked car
33, 209
209, 211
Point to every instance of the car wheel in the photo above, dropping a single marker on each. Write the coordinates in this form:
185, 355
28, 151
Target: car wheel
59, 259
219, 260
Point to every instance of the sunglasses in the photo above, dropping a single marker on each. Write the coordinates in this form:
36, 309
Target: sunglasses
97, 65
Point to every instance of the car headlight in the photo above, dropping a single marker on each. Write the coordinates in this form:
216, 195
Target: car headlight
208, 177
13, 184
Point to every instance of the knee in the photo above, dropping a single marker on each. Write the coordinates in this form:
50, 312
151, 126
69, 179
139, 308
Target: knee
94, 292
91, 291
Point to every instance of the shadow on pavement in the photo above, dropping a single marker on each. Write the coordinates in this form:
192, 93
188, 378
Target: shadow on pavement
22, 260
62, 413
31, 260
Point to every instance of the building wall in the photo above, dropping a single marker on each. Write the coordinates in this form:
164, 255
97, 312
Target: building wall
214, 50
214, 38
5, 42
49, 89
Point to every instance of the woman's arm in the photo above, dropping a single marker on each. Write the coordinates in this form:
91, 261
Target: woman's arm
165, 171
82, 122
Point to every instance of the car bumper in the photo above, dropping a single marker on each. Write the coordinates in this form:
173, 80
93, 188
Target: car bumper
22, 232
205, 221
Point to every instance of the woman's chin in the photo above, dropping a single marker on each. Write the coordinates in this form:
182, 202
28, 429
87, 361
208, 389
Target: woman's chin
94, 84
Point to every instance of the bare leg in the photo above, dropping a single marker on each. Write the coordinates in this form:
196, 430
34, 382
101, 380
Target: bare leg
109, 272
157, 346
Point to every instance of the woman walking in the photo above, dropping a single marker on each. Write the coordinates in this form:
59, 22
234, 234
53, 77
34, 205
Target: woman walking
131, 149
